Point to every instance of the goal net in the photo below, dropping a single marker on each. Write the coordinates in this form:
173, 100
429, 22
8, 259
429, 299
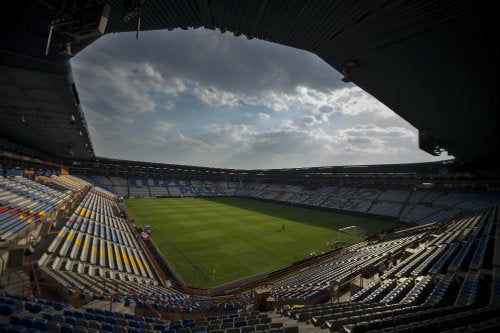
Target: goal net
354, 230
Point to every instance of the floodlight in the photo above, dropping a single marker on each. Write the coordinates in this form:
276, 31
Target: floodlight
65, 49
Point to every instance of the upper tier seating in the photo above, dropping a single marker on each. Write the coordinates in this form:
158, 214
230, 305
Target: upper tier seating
23, 202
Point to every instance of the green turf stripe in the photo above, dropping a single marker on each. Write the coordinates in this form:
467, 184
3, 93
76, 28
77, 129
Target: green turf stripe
237, 237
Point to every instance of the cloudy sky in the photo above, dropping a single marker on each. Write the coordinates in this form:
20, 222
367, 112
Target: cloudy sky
203, 98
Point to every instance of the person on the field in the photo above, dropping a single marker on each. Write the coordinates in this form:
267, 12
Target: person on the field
283, 227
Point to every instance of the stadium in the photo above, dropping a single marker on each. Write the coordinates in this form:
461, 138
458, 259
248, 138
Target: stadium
98, 244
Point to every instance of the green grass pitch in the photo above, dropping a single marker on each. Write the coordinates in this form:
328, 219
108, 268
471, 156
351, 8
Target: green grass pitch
214, 241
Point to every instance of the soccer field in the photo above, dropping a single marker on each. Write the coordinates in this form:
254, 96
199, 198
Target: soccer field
214, 241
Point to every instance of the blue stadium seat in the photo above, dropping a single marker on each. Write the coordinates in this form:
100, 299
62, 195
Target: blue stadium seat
107, 327
70, 320
88, 315
15, 320
28, 322
8, 310
4, 328
16, 329
41, 324
66, 328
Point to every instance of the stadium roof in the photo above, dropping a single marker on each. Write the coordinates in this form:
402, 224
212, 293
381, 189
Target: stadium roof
432, 62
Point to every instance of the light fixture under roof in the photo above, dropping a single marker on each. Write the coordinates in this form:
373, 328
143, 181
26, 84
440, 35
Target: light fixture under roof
65, 49
346, 70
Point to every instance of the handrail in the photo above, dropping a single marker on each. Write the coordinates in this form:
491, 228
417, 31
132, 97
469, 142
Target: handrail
9, 271
150, 255
221, 299
163, 301
134, 294
280, 292
75, 289
103, 282
35, 278
250, 288
78, 293
315, 260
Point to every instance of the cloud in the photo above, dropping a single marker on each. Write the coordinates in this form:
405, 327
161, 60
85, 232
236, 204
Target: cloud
94, 117
147, 77
156, 141
191, 143
216, 98
326, 109
121, 118
263, 116
309, 120
222, 68
227, 63
371, 130
347, 101
203, 98
369, 140
162, 126
114, 87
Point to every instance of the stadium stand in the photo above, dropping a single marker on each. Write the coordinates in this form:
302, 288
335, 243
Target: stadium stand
381, 305
23, 201
97, 256
413, 206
